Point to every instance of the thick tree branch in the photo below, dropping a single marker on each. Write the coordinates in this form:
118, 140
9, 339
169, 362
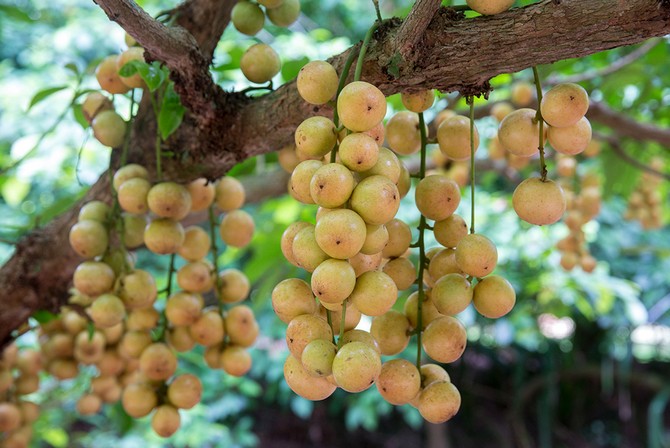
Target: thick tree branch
179, 50
412, 28
206, 20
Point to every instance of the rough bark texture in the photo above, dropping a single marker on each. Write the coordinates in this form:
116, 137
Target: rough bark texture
222, 128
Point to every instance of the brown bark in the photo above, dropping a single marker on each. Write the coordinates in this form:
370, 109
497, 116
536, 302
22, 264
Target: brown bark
222, 128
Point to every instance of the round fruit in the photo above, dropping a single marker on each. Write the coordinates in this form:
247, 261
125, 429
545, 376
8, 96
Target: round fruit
131, 54
93, 278
106, 311
519, 133
453, 136
539, 202
494, 297
444, 339
260, 63
317, 357
340, 233
564, 105
209, 329
315, 136
163, 236
571, 140
304, 329
202, 194
302, 383
449, 232
374, 293
237, 228
158, 362
522, 93
317, 82
403, 134
490, 7
166, 420
196, 244
185, 391
169, 200
128, 172
95, 103
291, 298
437, 197
356, 366
235, 360
439, 402
358, 152
402, 271
284, 14
361, 106
399, 381
387, 165
333, 281
391, 331
376, 238
306, 251
109, 128
452, 294
183, 308
108, 76
476, 255
247, 17
234, 286
376, 199
132, 195
230, 194
418, 101
331, 185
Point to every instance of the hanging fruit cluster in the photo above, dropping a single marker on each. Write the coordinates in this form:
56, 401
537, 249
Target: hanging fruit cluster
644, 204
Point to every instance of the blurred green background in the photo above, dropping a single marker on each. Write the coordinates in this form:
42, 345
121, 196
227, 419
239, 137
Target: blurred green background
582, 360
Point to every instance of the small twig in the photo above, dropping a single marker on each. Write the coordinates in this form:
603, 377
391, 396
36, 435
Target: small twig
608, 70
618, 149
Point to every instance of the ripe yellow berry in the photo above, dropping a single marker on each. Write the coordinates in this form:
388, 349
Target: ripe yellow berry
564, 105
361, 106
539, 202
453, 136
260, 63
317, 82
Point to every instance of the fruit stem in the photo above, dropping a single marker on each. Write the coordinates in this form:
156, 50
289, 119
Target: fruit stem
471, 100
363, 50
159, 335
538, 118
379, 14
159, 170
460, 8
329, 318
126, 138
342, 323
422, 248
215, 253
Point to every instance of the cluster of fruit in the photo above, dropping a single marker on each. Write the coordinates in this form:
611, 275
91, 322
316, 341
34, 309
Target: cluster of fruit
260, 63
18, 377
108, 126
644, 204
118, 327
583, 203
359, 254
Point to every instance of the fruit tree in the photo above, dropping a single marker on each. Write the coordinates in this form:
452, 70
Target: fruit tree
367, 172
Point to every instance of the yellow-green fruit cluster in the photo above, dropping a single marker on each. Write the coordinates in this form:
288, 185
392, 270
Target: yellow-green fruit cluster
644, 203
19, 370
583, 205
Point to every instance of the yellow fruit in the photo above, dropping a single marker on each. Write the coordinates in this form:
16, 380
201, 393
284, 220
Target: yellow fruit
291, 298
418, 101
237, 228
356, 366
444, 339
196, 245
315, 136
132, 195
284, 14
453, 136
391, 331
374, 294
331, 185
247, 18
519, 133
131, 54
158, 362
333, 281
235, 360
476, 255
399, 381
185, 391
304, 329
128, 172
166, 420
361, 106
260, 63
317, 357
376, 199
564, 105
341, 233
494, 297
452, 294
449, 232
202, 194
230, 194
302, 383
403, 133
163, 236
572, 139
522, 93
108, 76
490, 7
317, 82
437, 197
539, 202
439, 402
95, 103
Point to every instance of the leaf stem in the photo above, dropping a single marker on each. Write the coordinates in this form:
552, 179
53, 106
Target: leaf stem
538, 118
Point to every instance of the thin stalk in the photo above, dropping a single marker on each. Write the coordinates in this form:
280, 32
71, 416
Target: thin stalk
329, 318
126, 139
422, 248
379, 14
342, 323
215, 254
159, 156
364, 49
159, 335
538, 118
472, 164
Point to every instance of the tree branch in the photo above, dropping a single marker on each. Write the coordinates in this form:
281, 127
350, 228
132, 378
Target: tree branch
206, 20
413, 27
608, 70
625, 126
618, 149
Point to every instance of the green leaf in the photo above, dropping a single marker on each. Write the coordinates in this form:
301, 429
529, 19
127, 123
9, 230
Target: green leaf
394, 65
44, 94
71, 66
44, 316
78, 113
15, 13
290, 69
14, 191
171, 113
152, 74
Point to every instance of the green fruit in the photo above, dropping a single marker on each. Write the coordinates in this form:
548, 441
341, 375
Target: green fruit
285, 14
260, 63
247, 18
109, 128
